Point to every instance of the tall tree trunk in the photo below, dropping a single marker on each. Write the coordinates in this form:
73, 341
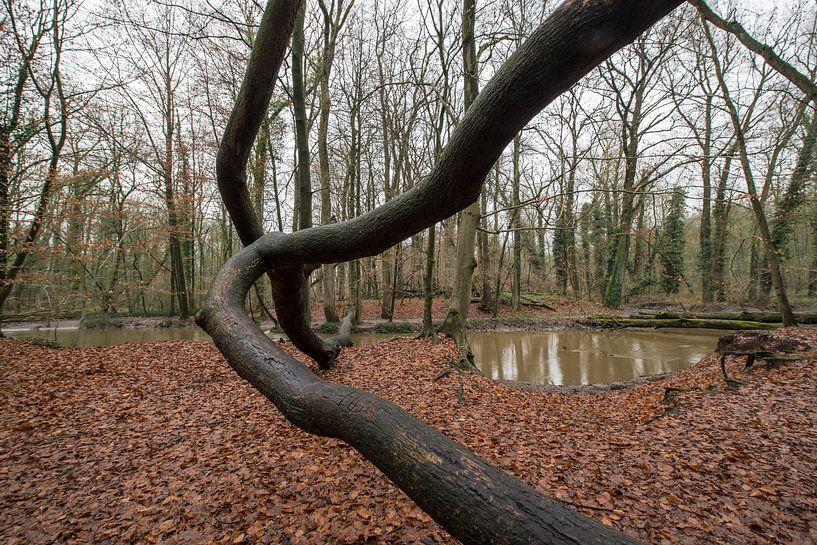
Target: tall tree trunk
630, 137
516, 225
428, 284
454, 324
705, 233
303, 175
303, 210
179, 285
331, 27
772, 253
720, 232
486, 300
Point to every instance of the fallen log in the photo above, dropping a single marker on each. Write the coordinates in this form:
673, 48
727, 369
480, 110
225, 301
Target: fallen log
526, 300
762, 316
676, 322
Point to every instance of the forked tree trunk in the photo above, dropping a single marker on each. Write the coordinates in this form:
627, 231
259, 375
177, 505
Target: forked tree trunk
476, 502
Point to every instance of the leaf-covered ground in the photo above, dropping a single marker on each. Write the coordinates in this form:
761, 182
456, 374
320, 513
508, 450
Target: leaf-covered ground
162, 442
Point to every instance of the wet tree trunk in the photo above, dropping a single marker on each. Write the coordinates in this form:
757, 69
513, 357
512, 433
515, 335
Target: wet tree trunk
476, 502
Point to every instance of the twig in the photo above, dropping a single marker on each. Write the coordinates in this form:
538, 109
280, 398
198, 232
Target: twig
585, 506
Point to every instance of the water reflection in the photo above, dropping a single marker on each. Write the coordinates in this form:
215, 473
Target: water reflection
107, 337
583, 357
578, 357
553, 357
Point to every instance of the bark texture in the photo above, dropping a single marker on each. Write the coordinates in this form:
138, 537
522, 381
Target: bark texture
474, 501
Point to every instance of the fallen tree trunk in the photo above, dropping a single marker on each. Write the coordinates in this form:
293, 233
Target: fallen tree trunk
476, 502
765, 317
527, 300
658, 323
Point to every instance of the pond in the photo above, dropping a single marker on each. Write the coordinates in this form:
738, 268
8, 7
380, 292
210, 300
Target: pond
584, 357
547, 357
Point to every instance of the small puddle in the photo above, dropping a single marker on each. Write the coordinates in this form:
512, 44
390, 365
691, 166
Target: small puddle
550, 357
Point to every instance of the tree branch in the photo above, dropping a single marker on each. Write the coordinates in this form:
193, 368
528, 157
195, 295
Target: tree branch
785, 69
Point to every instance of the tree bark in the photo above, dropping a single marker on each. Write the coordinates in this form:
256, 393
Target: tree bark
476, 502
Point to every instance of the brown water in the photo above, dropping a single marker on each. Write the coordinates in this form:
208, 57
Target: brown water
108, 337
581, 357
552, 357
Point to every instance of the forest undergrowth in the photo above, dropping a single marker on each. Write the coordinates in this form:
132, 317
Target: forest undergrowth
162, 442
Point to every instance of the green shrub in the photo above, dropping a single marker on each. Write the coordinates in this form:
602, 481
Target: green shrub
395, 328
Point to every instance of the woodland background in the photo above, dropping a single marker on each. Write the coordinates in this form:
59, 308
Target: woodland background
629, 188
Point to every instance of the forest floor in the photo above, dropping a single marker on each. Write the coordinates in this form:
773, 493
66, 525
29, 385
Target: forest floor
163, 443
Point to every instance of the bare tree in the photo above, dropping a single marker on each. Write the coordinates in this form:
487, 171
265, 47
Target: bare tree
47, 26
754, 197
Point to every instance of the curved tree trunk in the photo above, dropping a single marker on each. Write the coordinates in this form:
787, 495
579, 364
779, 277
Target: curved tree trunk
477, 503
